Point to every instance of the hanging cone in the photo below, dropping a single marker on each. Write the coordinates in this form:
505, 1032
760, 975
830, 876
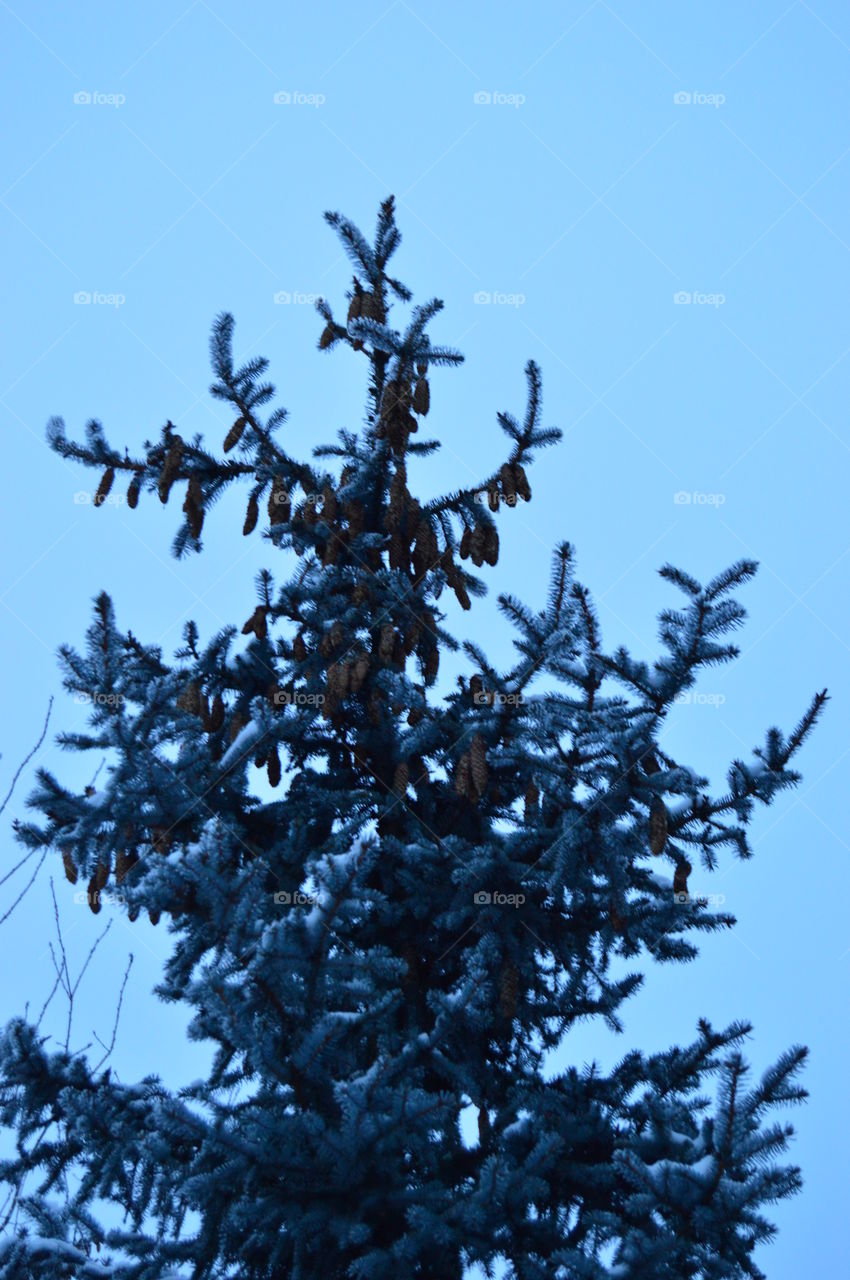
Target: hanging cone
680, 878
523, 488
462, 593
657, 825
476, 546
170, 467
359, 671
476, 687
133, 490
431, 666
257, 623
531, 804
299, 648
154, 916
104, 487
401, 778
70, 866
193, 507
508, 990
251, 516
386, 642
273, 768
125, 860
370, 307
465, 540
234, 435
280, 505
216, 713
236, 725
355, 306
327, 337
493, 497
205, 713
421, 397
463, 775
133, 913
478, 764
491, 544
508, 483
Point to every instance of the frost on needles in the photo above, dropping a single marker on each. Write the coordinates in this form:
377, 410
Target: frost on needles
341, 944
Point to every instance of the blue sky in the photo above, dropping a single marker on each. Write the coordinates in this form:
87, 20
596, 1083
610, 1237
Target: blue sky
540, 158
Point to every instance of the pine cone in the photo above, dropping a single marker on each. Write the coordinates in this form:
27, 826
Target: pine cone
680, 878
70, 866
257, 623
531, 804
234, 435
657, 825
280, 505
355, 307
359, 672
401, 778
190, 699
251, 516
386, 642
193, 507
104, 486
463, 775
493, 497
370, 307
476, 546
491, 544
508, 990
523, 488
478, 764
465, 540
421, 397
327, 337
462, 594
154, 916
125, 860
299, 648
160, 839
508, 483
273, 767
133, 490
170, 468
216, 713
133, 912
431, 665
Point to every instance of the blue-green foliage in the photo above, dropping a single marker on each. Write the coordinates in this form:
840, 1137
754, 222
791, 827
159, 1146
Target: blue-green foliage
347, 948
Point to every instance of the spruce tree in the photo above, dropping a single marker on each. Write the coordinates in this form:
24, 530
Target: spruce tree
451, 879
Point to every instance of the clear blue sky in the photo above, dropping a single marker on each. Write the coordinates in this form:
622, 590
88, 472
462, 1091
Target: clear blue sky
582, 197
